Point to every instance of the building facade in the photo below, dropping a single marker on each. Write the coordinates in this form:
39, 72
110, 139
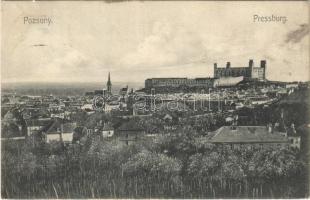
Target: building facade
248, 72
130, 132
178, 82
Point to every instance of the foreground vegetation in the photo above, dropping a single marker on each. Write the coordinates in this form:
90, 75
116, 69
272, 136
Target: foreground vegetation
168, 167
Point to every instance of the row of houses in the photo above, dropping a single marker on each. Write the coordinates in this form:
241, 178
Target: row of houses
58, 130
130, 131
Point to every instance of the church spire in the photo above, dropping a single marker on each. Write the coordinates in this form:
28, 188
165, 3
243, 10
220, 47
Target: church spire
109, 85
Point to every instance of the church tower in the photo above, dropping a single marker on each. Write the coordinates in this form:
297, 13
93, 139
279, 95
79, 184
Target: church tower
109, 85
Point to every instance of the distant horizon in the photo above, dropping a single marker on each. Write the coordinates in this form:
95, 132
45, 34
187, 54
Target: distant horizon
115, 82
64, 82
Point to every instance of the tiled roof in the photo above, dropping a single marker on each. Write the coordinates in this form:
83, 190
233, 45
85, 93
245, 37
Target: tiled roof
69, 127
246, 134
130, 126
107, 127
37, 122
56, 126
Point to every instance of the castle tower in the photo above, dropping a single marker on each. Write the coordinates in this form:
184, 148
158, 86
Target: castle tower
109, 85
215, 75
251, 63
263, 65
251, 66
228, 65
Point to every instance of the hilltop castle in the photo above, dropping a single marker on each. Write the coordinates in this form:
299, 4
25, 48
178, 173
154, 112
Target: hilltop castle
226, 76
247, 72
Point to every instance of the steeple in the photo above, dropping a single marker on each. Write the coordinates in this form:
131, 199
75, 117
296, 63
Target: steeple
109, 85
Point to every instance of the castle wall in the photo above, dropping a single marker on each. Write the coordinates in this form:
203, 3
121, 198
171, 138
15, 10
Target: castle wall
177, 82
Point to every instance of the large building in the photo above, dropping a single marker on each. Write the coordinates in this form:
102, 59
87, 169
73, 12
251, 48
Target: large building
254, 136
178, 82
223, 77
247, 72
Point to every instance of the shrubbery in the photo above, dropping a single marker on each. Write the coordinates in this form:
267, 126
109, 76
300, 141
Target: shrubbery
172, 167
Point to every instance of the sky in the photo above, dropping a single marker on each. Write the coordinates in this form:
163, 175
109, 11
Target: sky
138, 40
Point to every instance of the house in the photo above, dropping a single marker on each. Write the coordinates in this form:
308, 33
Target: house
35, 112
293, 137
123, 91
35, 125
58, 115
249, 137
130, 132
229, 119
56, 107
291, 85
171, 121
107, 130
59, 131
108, 107
282, 92
167, 118
87, 107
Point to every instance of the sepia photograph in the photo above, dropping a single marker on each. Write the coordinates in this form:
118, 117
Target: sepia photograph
155, 99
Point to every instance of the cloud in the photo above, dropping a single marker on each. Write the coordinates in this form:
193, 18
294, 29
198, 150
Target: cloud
166, 46
57, 60
297, 35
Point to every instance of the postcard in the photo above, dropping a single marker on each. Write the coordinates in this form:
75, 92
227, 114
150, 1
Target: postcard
155, 99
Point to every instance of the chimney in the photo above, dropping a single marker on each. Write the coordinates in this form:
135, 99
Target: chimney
251, 63
263, 63
228, 65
